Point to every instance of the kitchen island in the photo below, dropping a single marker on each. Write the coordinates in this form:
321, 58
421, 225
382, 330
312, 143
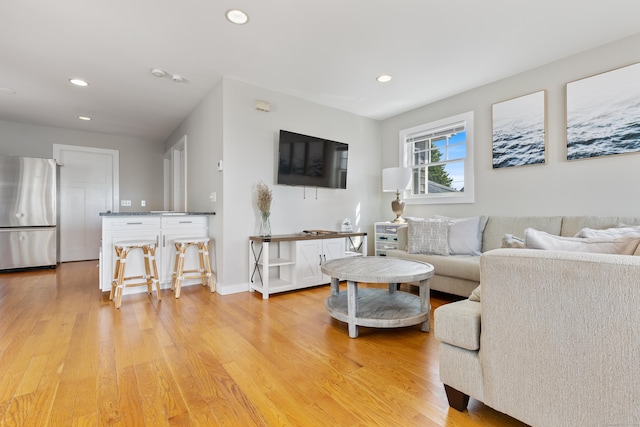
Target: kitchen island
163, 227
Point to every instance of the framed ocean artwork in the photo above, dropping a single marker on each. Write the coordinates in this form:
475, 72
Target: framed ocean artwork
603, 114
519, 131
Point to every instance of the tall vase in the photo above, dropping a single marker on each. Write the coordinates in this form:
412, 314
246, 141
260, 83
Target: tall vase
265, 224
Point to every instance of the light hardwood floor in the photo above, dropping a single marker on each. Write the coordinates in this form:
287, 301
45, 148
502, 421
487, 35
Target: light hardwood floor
67, 357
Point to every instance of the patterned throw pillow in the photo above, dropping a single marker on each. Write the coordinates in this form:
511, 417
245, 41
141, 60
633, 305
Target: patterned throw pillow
428, 236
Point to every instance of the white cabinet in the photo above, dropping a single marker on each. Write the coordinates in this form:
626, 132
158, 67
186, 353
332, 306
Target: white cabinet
163, 229
311, 254
288, 262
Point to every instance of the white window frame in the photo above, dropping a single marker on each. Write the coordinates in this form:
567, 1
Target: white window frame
467, 196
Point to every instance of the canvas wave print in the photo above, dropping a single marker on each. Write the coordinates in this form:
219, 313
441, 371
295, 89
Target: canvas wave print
519, 131
603, 114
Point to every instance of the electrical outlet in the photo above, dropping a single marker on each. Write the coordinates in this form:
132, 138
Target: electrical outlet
212, 197
143, 203
125, 202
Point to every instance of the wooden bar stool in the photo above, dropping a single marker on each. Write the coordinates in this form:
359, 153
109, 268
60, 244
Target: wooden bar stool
120, 281
203, 272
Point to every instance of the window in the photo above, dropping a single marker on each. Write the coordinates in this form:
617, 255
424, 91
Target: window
440, 155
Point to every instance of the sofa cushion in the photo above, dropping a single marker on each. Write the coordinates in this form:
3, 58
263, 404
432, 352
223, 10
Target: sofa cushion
428, 236
535, 239
458, 324
460, 266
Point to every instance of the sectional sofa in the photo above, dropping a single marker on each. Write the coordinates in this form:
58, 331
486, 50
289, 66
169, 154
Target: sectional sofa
458, 270
551, 337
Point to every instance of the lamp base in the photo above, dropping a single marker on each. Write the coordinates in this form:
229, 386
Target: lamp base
397, 206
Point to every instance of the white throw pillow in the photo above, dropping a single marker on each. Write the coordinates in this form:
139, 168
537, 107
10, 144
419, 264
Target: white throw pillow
609, 232
465, 234
428, 236
535, 239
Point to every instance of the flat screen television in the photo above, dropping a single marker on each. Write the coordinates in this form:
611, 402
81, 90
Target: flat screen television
311, 162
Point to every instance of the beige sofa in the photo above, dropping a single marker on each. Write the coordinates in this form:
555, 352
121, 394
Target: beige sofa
554, 340
460, 274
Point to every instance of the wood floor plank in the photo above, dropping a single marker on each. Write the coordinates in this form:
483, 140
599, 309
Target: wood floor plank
68, 357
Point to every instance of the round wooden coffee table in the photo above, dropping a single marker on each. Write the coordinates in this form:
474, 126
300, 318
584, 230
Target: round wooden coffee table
375, 307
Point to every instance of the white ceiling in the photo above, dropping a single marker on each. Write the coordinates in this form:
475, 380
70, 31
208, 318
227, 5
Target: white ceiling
325, 51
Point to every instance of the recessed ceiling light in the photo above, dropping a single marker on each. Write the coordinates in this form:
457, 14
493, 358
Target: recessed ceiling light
78, 82
237, 16
7, 91
384, 78
85, 118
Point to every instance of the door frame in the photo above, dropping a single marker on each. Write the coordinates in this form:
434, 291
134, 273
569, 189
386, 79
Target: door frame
175, 176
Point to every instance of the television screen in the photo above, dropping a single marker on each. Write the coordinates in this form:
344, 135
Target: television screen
311, 162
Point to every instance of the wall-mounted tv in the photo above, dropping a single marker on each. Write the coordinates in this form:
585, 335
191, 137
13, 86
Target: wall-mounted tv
311, 161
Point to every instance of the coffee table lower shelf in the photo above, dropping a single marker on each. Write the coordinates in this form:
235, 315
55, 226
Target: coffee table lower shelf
379, 308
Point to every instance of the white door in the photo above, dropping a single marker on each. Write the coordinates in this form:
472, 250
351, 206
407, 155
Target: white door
88, 186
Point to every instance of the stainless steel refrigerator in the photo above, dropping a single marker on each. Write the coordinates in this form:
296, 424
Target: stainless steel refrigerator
28, 213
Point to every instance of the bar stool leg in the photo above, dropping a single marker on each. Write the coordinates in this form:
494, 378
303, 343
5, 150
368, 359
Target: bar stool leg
156, 278
179, 273
119, 284
205, 266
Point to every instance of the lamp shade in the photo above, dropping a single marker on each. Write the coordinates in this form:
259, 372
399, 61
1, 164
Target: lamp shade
396, 179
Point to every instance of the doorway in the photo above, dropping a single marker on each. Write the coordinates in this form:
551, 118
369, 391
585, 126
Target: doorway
88, 185
175, 177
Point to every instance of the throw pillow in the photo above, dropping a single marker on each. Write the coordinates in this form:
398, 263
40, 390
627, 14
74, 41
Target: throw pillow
609, 232
475, 294
511, 241
428, 236
535, 239
465, 234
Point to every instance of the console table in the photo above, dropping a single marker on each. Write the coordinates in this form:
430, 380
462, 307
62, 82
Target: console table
287, 262
378, 308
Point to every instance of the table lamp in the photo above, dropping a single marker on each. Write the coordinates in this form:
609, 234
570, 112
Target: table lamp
396, 179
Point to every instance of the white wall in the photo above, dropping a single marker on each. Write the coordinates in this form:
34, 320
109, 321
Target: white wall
203, 128
140, 160
249, 153
600, 186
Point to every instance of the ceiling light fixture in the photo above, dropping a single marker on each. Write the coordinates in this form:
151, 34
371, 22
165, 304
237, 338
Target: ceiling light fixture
78, 82
85, 118
158, 72
384, 78
237, 16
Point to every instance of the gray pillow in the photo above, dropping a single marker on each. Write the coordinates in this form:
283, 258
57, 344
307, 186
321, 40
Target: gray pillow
427, 236
535, 239
465, 234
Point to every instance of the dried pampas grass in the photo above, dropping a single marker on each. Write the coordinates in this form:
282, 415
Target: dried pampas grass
264, 198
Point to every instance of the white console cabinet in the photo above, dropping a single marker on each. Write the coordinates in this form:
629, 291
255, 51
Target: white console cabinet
164, 229
287, 262
311, 254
